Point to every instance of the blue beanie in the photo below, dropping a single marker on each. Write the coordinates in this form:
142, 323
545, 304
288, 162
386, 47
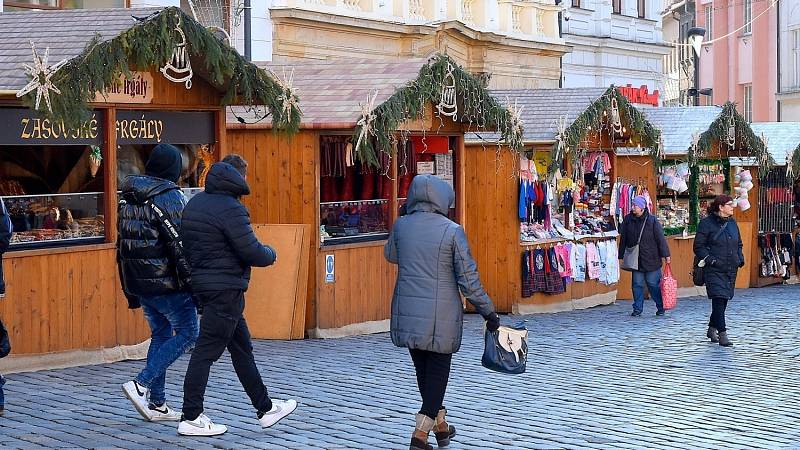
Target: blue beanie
165, 162
640, 201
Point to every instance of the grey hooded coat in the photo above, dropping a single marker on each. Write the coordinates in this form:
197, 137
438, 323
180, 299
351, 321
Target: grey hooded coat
434, 262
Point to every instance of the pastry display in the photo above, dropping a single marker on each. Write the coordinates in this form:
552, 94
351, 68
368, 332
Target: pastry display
52, 218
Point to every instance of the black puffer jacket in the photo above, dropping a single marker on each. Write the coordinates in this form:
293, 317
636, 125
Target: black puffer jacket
218, 239
150, 263
723, 252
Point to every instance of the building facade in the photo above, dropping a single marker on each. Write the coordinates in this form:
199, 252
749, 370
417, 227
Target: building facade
740, 62
614, 42
677, 17
514, 43
789, 56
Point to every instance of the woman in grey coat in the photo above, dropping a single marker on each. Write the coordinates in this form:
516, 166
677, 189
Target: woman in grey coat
434, 263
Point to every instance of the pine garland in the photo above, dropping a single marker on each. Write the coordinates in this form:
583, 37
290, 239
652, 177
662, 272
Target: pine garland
795, 162
148, 45
476, 107
718, 132
632, 118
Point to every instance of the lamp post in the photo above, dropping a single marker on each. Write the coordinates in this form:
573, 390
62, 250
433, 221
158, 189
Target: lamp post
695, 38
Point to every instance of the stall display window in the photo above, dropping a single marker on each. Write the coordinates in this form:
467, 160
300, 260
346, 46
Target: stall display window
430, 154
354, 197
196, 158
673, 196
708, 179
592, 213
54, 194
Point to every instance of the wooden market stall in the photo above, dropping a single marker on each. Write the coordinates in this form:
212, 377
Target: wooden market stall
778, 206
368, 127
566, 131
706, 150
64, 153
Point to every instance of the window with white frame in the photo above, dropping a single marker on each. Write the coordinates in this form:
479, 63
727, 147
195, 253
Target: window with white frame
795, 46
748, 102
709, 22
748, 16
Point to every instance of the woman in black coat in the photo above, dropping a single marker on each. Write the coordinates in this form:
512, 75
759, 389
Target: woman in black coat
719, 244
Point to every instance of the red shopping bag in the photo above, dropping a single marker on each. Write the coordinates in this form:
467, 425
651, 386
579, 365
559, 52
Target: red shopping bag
669, 289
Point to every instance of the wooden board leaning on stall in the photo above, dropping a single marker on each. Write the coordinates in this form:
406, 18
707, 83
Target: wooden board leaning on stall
275, 305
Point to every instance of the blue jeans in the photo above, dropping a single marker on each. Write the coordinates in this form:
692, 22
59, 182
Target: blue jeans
2, 397
653, 281
166, 314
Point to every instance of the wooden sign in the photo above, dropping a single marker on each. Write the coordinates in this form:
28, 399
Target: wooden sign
21, 126
173, 127
136, 89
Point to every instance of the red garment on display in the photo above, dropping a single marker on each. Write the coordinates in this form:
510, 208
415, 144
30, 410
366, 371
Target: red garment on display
367, 187
430, 144
327, 189
348, 186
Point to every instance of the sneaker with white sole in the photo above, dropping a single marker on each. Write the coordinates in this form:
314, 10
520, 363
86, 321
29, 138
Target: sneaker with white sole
202, 426
137, 394
280, 409
163, 413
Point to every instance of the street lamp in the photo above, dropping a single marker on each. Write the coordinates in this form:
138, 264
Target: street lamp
695, 37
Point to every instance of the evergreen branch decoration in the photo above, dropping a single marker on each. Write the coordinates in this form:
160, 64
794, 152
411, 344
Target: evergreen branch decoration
148, 45
718, 132
795, 162
475, 106
593, 117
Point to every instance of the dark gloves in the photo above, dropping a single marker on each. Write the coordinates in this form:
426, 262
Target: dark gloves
492, 322
741, 264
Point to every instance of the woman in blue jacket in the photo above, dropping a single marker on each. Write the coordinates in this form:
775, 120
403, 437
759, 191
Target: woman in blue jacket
719, 243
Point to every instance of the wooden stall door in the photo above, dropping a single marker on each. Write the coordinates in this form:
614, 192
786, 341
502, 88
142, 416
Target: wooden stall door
276, 299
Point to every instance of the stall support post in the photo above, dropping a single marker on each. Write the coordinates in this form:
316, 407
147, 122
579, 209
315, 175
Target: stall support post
110, 175
221, 142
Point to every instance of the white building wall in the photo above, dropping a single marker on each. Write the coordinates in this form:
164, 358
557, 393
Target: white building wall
612, 48
789, 95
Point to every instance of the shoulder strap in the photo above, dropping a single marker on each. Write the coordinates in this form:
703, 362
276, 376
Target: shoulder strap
644, 225
718, 233
166, 223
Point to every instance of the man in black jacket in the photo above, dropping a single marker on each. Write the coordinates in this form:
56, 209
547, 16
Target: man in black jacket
155, 275
221, 248
652, 248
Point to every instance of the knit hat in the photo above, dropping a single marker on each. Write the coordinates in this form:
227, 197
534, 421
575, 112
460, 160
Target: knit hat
165, 162
640, 201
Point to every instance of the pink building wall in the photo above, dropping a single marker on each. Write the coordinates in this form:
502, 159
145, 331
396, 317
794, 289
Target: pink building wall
741, 59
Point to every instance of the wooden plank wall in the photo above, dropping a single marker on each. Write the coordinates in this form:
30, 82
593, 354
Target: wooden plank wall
491, 191
66, 301
284, 184
362, 289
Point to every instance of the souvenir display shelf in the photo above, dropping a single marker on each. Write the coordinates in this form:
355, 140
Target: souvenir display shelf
353, 220
37, 224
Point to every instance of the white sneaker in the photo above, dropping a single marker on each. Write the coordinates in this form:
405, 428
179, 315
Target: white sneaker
163, 413
137, 394
202, 426
280, 409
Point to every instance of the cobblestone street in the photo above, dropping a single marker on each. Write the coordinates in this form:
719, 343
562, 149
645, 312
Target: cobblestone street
596, 379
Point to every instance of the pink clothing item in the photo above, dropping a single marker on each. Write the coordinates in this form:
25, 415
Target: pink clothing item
593, 261
563, 256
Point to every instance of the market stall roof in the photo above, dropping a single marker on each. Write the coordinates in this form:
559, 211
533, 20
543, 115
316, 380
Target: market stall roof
332, 91
678, 124
783, 138
378, 98
64, 32
541, 111
100, 44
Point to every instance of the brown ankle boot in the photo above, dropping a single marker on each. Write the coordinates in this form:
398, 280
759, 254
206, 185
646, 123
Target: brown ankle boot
419, 440
712, 334
723, 339
443, 431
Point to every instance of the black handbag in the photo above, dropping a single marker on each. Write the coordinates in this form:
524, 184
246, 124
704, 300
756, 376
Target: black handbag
5, 342
506, 349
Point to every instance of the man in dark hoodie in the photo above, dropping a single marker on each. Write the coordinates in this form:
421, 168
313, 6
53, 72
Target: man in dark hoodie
221, 248
155, 275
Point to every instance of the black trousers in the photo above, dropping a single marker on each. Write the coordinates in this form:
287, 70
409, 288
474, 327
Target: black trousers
222, 326
433, 372
717, 319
